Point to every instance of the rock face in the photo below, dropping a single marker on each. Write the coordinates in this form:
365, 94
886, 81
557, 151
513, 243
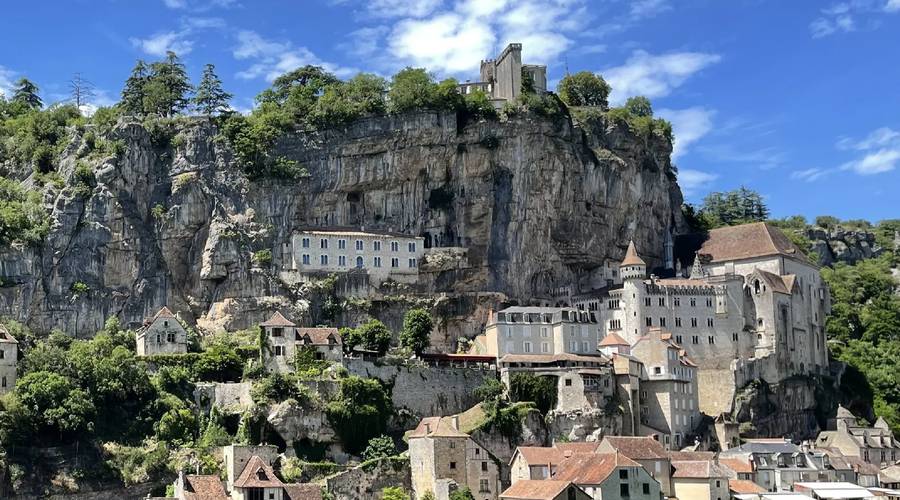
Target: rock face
842, 245
537, 203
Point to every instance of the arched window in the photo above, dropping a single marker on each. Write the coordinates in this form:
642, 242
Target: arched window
756, 286
359, 262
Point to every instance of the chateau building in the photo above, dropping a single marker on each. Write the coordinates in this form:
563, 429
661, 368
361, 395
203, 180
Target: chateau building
753, 306
161, 334
381, 256
285, 339
9, 354
539, 330
501, 78
443, 459
874, 445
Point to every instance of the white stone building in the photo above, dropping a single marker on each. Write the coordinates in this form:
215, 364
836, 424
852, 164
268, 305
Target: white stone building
381, 256
284, 339
9, 355
539, 330
161, 334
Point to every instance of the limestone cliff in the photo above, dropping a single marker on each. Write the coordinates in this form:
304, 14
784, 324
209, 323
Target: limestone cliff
536, 203
843, 245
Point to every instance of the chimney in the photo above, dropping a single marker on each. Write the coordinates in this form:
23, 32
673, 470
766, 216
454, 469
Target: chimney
455, 420
427, 428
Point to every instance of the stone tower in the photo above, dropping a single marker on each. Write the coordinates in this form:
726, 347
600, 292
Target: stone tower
9, 353
632, 266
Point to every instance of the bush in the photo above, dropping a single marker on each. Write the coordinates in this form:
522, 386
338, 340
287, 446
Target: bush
414, 89
584, 89
360, 412
84, 180
79, 288
379, 447
177, 426
22, 214
393, 493
639, 106
417, 326
463, 493
291, 470
137, 464
263, 257
277, 388
539, 390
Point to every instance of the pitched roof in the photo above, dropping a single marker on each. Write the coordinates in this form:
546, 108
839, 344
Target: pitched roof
319, 336
697, 469
257, 474
531, 489
637, 447
203, 488
578, 447
277, 319
591, 468
775, 282
744, 486
305, 491
692, 455
7, 337
612, 339
556, 454
737, 464
553, 358
748, 241
631, 257
436, 427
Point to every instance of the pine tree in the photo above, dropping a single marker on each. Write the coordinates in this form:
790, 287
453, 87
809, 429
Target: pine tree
168, 87
210, 98
27, 94
135, 92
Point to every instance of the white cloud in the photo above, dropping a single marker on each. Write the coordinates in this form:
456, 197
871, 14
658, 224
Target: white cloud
880, 151
876, 162
892, 6
100, 99
688, 125
691, 181
199, 5
160, 43
448, 42
654, 75
402, 8
275, 58
765, 158
6, 82
847, 16
648, 8
883, 136
810, 174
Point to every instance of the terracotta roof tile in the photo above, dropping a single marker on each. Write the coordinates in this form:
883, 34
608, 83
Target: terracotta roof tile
744, 486
592, 468
631, 257
305, 491
203, 488
436, 427
613, 339
692, 455
737, 464
277, 319
748, 241
579, 447
636, 448
7, 337
530, 489
319, 336
257, 474
775, 282
697, 469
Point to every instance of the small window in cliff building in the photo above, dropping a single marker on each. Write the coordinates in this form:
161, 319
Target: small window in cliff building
453, 465
359, 262
756, 286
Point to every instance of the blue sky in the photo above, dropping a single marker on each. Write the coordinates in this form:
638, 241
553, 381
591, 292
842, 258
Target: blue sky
797, 99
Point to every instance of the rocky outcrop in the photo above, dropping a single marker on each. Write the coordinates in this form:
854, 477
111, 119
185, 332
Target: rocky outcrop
842, 245
532, 203
787, 409
589, 424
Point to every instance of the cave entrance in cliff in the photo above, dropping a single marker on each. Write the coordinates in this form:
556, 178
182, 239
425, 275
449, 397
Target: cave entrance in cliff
354, 200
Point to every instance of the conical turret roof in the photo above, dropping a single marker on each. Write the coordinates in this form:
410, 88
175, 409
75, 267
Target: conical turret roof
631, 256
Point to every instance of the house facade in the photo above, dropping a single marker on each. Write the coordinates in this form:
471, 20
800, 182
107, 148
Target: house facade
9, 355
874, 445
285, 339
161, 334
539, 330
647, 452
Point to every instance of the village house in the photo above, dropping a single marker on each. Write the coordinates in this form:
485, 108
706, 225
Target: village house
9, 355
541, 462
874, 445
544, 490
669, 403
700, 480
646, 451
609, 476
539, 330
285, 339
378, 256
582, 381
161, 334
443, 459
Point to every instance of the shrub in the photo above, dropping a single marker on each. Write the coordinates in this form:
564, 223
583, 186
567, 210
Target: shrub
639, 106
79, 288
291, 470
177, 426
137, 464
584, 89
463, 493
158, 211
539, 390
417, 326
379, 447
360, 412
393, 493
263, 257
22, 214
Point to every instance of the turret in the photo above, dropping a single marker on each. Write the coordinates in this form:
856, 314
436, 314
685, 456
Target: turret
632, 266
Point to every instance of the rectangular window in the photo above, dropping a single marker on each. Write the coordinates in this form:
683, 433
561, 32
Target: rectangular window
662, 301
323, 243
693, 302
712, 340
678, 322
708, 302
544, 331
483, 484
359, 245
623, 473
306, 259
395, 262
305, 243
342, 260
170, 337
647, 301
453, 465
623, 491
649, 321
646, 488
545, 347
342, 244
279, 350
568, 382
695, 340
412, 247
585, 346
678, 339
412, 263
323, 260
694, 322
527, 347
734, 337
677, 301
2, 354
395, 247
662, 322
376, 246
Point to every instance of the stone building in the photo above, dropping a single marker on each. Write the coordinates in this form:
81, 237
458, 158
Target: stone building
380, 256
544, 490
443, 459
700, 480
9, 355
539, 330
501, 78
542, 462
582, 381
609, 476
285, 339
647, 452
874, 445
161, 334
669, 402
753, 306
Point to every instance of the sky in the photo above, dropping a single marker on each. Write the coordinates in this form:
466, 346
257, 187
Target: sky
797, 99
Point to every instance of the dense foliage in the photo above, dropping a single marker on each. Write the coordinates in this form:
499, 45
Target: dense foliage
360, 412
730, 208
371, 336
584, 89
417, 326
161, 89
379, 447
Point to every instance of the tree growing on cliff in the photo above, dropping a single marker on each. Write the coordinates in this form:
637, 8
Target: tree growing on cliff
740, 206
417, 326
210, 98
584, 89
167, 89
26, 94
372, 335
639, 106
360, 412
379, 447
134, 93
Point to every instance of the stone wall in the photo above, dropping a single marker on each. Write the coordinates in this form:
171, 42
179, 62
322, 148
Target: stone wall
366, 481
229, 397
424, 390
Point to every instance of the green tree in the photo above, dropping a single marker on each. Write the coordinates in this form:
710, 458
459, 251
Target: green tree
135, 93
827, 221
393, 493
541, 390
168, 87
463, 493
295, 93
639, 106
177, 426
379, 447
740, 206
52, 405
360, 412
214, 434
411, 89
416, 333
491, 390
374, 336
584, 89
26, 94
210, 99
